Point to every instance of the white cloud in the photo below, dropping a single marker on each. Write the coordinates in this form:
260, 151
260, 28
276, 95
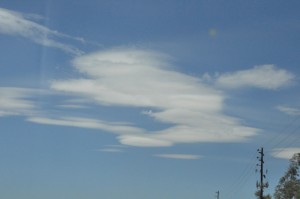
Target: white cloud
264, 77
14, 23
72, 106
285, 153
115, 127
139, 78
15, 101
179, 156
288, 110
214, 132
110, 150
144, 140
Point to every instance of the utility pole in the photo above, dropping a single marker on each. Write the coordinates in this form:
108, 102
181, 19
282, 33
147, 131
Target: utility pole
218, 194
261, 152
261, 185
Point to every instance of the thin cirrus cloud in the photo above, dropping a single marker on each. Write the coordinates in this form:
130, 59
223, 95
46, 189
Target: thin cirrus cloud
145, 79
179, 156
288, 110
263, 76
111, 150
18, 24
114, 127
16, 101
285, 153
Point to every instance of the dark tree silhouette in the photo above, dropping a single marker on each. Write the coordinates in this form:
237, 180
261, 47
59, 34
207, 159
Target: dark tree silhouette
257, 194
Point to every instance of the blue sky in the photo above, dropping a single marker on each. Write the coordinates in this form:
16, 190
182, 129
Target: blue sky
146, 99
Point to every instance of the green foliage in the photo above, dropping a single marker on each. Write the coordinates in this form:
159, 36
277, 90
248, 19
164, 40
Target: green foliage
257, 194
289, 185
268, 196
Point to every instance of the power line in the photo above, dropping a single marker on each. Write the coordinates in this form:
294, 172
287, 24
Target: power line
283, 137
242, 178
283, 132
246, 173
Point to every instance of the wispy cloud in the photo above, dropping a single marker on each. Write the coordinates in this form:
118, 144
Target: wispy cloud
115, 127
139, 78
288, 110
264, 77
72, 106
15, 101
285, 153
111, 150
18, 24
145, 140
179, 156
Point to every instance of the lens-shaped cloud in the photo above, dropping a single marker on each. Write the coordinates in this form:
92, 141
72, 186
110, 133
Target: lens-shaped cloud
146, 79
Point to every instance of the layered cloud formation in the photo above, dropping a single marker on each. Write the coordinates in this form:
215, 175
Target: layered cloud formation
16, 101
139, 78
125, 77
192, 108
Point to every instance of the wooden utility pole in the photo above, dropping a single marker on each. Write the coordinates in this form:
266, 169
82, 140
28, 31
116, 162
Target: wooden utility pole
261, 152
261, 185
218, 194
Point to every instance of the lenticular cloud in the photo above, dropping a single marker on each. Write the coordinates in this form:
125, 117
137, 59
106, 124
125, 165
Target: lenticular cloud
263, 76
139, 78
